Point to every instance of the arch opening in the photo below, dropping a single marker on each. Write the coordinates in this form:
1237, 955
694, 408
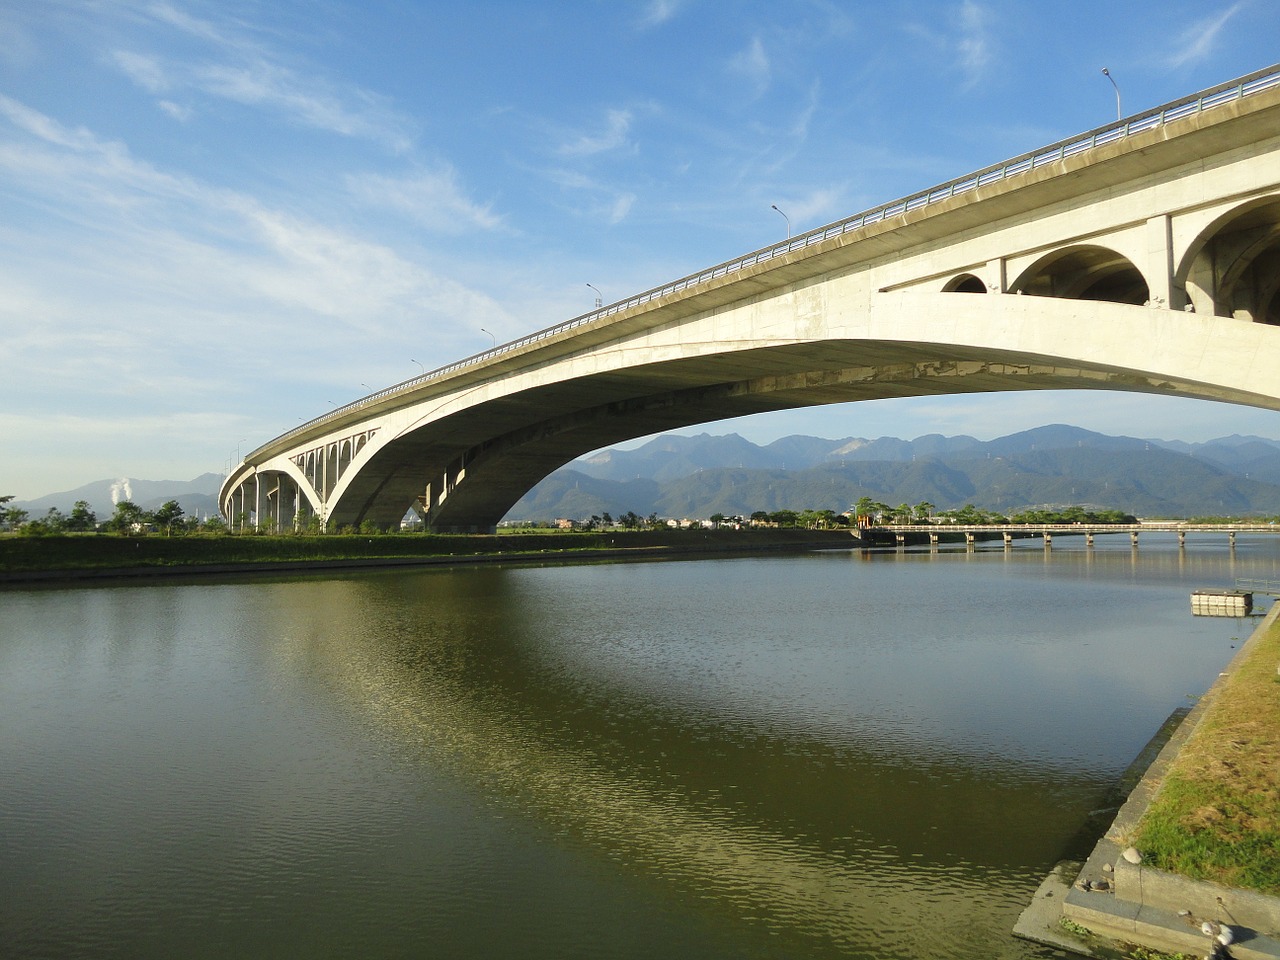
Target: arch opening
965, 283
1086, 273
1233, 269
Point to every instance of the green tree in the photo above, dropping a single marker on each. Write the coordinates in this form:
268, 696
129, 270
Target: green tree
169, 513
128, 518
82, 518
54, 521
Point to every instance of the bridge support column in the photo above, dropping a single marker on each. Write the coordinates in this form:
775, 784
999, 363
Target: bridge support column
1182, 538
1159, 272
1048, 540
1133, 537
933, 539
1088, 538
969, 540
1231, 538
1008, 541
900, 539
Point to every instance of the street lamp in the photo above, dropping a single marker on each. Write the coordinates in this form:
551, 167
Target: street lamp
1107, 73
495, 339
784, 217
420, 366
599, 297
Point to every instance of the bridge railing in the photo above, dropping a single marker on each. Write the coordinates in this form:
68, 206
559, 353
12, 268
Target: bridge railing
1195, 103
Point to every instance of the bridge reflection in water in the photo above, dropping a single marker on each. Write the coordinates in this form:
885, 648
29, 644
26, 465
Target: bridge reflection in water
874, 843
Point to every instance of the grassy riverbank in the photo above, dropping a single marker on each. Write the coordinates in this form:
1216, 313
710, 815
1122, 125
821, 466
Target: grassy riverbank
68, 555
1217, 815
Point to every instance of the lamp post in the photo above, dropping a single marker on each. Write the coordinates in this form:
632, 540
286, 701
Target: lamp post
495, 339
420, 366
599, 297
1107, 73
784, 217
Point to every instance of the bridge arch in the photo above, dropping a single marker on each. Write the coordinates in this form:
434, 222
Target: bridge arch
1085, 272
1110, 233
1232, 268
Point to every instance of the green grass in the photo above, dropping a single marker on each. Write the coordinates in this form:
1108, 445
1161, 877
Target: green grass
1217, 815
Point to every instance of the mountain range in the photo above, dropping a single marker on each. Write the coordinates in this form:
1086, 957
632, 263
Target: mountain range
696, 476
1056, 465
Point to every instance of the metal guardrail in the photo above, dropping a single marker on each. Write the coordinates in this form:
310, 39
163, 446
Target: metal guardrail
1259, 586
1196, 103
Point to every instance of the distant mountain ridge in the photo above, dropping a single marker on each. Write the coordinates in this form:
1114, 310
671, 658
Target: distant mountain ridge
683, 476
198, 497
1052, 465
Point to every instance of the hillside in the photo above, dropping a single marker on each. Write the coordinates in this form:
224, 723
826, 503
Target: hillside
677, 476
680, 476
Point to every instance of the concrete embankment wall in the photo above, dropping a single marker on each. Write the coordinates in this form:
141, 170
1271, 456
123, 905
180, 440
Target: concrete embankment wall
1161, 909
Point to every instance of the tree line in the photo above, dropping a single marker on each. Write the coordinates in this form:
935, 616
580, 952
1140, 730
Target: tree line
127, 518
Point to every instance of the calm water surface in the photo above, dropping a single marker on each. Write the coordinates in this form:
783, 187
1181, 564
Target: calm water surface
830, 755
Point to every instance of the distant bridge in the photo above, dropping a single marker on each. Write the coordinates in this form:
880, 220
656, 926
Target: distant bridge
1140, 256
1011, 531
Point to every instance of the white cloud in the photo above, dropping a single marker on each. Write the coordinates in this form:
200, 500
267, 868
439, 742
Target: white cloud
658, 12
132, 292
968, 44
244, 71
973, 48
1198, 40
432, 199
145, 71
621, 207
614, 135
175, 110
752, 65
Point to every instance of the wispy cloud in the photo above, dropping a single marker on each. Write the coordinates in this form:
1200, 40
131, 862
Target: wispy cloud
604, 201
752, 65
243, 70
973, 47
968, 45
1198, 40
658, 12
431, 198
111, 263
616, 127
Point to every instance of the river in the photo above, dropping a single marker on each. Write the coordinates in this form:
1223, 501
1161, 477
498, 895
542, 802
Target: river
835, 754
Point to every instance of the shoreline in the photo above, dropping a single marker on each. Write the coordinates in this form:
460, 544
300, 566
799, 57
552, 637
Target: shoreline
724, 546
1123, 912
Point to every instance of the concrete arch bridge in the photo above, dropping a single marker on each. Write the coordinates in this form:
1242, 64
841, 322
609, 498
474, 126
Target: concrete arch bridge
1140, 256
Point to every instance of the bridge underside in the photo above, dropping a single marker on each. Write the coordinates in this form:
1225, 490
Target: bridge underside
463, 458
1151, 266
467, 473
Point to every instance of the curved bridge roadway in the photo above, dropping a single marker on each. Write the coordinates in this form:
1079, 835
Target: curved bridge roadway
1143, 256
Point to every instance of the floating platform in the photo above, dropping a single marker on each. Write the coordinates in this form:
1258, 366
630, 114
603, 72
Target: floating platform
1221, 603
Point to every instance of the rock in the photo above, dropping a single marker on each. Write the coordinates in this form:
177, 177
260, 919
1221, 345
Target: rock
1108, 868
1101, 885
1132, 855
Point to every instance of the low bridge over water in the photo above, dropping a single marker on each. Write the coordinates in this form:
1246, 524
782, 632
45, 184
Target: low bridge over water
1140, 256
1010, 531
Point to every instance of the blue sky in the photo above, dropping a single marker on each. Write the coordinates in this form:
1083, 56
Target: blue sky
218, 219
